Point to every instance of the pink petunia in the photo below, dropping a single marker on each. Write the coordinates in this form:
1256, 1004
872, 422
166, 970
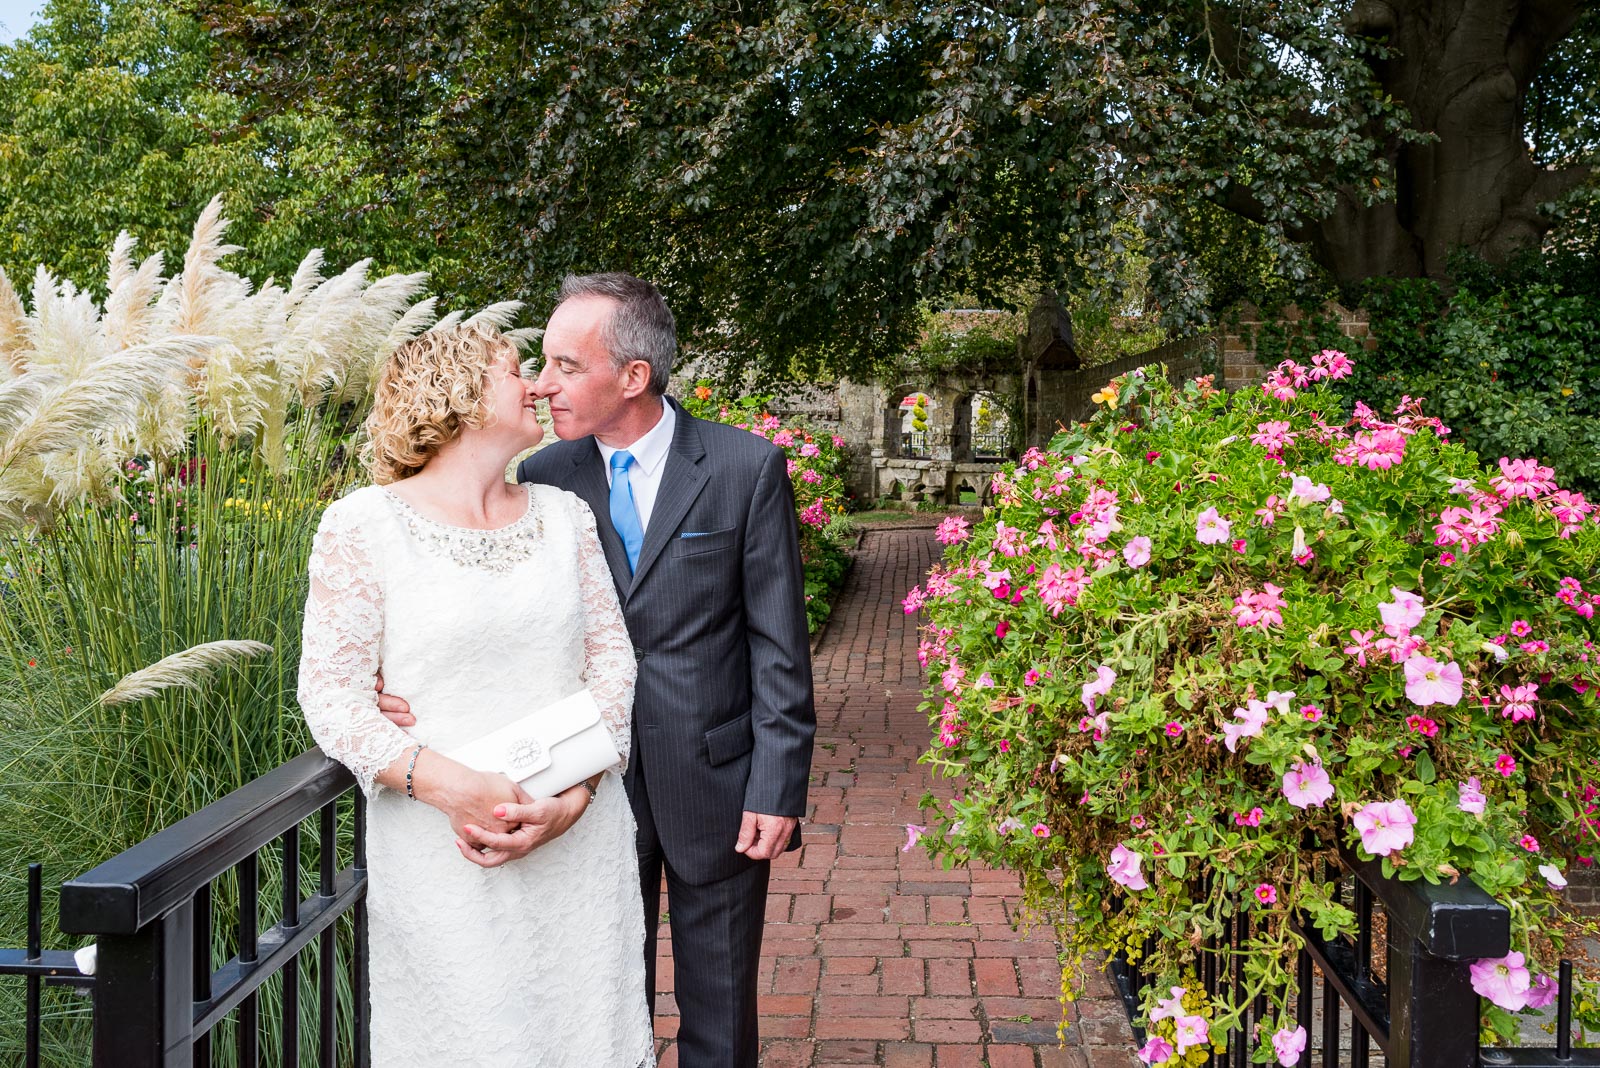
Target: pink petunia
1156, 1050
1266, 893
1211, 529
1123, 867
1428, 682
1307, 786
1169, 1008
1503, 980
1190, 1031
1385, 826
1252, 720
1101, 685
1288, 1045
913, 832
1470, 797
1137, 551
1506, 765
1403, 613
1542, 992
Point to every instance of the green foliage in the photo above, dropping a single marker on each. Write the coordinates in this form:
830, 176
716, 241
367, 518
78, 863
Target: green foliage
802, 178
107, 122
1194, 600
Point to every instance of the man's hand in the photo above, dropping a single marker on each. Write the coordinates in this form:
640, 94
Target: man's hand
394, 708
763, 837
542, 821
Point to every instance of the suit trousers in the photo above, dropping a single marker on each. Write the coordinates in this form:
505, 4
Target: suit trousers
716, 949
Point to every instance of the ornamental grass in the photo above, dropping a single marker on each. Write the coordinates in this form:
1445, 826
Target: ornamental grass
1205, 640
165, 456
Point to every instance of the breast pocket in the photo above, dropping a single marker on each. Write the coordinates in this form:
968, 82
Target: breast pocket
698, 543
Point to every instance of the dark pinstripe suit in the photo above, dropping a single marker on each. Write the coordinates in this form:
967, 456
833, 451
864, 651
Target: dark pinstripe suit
722, 712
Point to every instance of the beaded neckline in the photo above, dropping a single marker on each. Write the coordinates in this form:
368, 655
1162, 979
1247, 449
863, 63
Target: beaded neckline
497, 549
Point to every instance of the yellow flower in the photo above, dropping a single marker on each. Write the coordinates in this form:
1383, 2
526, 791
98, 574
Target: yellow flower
1566, 392
1106, 395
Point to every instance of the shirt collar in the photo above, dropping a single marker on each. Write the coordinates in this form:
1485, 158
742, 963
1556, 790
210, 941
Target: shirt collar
650, 451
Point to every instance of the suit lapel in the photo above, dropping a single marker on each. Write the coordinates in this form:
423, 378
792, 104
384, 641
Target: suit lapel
589, 482
681, 482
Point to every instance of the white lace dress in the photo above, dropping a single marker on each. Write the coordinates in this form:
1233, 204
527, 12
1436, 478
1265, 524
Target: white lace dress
539, 962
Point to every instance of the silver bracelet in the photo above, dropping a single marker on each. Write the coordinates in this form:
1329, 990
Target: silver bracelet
411, 770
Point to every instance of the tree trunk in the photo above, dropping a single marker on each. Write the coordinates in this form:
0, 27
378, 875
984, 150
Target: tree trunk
1462, 68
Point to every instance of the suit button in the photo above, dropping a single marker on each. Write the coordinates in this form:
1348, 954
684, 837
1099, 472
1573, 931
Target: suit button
638, 653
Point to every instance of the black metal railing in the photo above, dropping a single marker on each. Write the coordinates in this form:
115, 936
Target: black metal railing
914, 443
158, 993
37, 967
1418, 1010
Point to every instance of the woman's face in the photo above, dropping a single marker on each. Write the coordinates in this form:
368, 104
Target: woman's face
510, 400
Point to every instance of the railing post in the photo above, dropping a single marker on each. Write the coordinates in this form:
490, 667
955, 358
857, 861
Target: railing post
144, 995
1433, 1010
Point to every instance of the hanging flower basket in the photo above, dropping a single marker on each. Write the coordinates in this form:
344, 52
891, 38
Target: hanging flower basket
1204, 639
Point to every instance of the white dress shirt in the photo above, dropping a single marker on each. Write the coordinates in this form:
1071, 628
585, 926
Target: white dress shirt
649, 460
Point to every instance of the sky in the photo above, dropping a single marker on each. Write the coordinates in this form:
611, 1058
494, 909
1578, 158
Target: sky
16, 18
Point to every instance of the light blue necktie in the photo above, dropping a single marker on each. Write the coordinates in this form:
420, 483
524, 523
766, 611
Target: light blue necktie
624, 516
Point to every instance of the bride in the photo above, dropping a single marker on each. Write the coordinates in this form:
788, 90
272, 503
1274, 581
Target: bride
493, 942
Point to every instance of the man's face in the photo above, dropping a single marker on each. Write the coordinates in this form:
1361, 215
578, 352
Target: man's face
584, 390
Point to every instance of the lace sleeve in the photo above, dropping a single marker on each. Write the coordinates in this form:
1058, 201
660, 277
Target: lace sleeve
608, 661
339, 653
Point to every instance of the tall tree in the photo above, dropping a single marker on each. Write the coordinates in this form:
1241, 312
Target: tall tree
108, 121
801, 175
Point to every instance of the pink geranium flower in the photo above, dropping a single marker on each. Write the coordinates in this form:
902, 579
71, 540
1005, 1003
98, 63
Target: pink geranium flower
1503, 980
1519, 702
952, 530
1429, 682
1124, 868
1523, 478
1307, 786
1288, 1045
1385, 827
1506, 765
1211, 529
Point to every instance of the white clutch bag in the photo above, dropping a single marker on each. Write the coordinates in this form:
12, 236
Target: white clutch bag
546, 751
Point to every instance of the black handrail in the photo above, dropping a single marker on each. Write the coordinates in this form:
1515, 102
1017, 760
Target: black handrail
140, 885
156, 995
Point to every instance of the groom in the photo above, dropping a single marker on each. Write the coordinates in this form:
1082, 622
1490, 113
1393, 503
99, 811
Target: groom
697, 522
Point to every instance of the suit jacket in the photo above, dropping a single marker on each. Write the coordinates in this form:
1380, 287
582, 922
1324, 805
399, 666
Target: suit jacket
723, 717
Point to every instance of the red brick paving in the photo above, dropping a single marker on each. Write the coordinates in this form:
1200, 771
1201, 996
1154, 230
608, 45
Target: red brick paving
874, 956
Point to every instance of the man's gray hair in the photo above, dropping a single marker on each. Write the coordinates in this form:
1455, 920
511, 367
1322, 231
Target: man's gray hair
640, 328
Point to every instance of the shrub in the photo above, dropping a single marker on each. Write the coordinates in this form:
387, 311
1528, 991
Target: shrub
1212, 635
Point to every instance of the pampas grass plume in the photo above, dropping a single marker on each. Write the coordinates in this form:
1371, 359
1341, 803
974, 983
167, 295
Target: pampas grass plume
188, 669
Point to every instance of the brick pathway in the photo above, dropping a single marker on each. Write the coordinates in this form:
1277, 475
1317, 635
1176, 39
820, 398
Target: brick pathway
874, 956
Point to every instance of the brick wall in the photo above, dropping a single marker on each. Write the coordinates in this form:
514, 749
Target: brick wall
1239, 367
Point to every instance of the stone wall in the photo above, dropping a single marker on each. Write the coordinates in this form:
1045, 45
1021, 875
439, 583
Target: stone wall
1240, 369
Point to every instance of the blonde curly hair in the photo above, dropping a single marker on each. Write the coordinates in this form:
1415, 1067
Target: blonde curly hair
430, 389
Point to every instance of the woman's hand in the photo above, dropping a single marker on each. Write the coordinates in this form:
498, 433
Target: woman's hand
468, 798
540, 821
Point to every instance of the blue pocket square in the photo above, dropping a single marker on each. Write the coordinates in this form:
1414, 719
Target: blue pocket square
694, 533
